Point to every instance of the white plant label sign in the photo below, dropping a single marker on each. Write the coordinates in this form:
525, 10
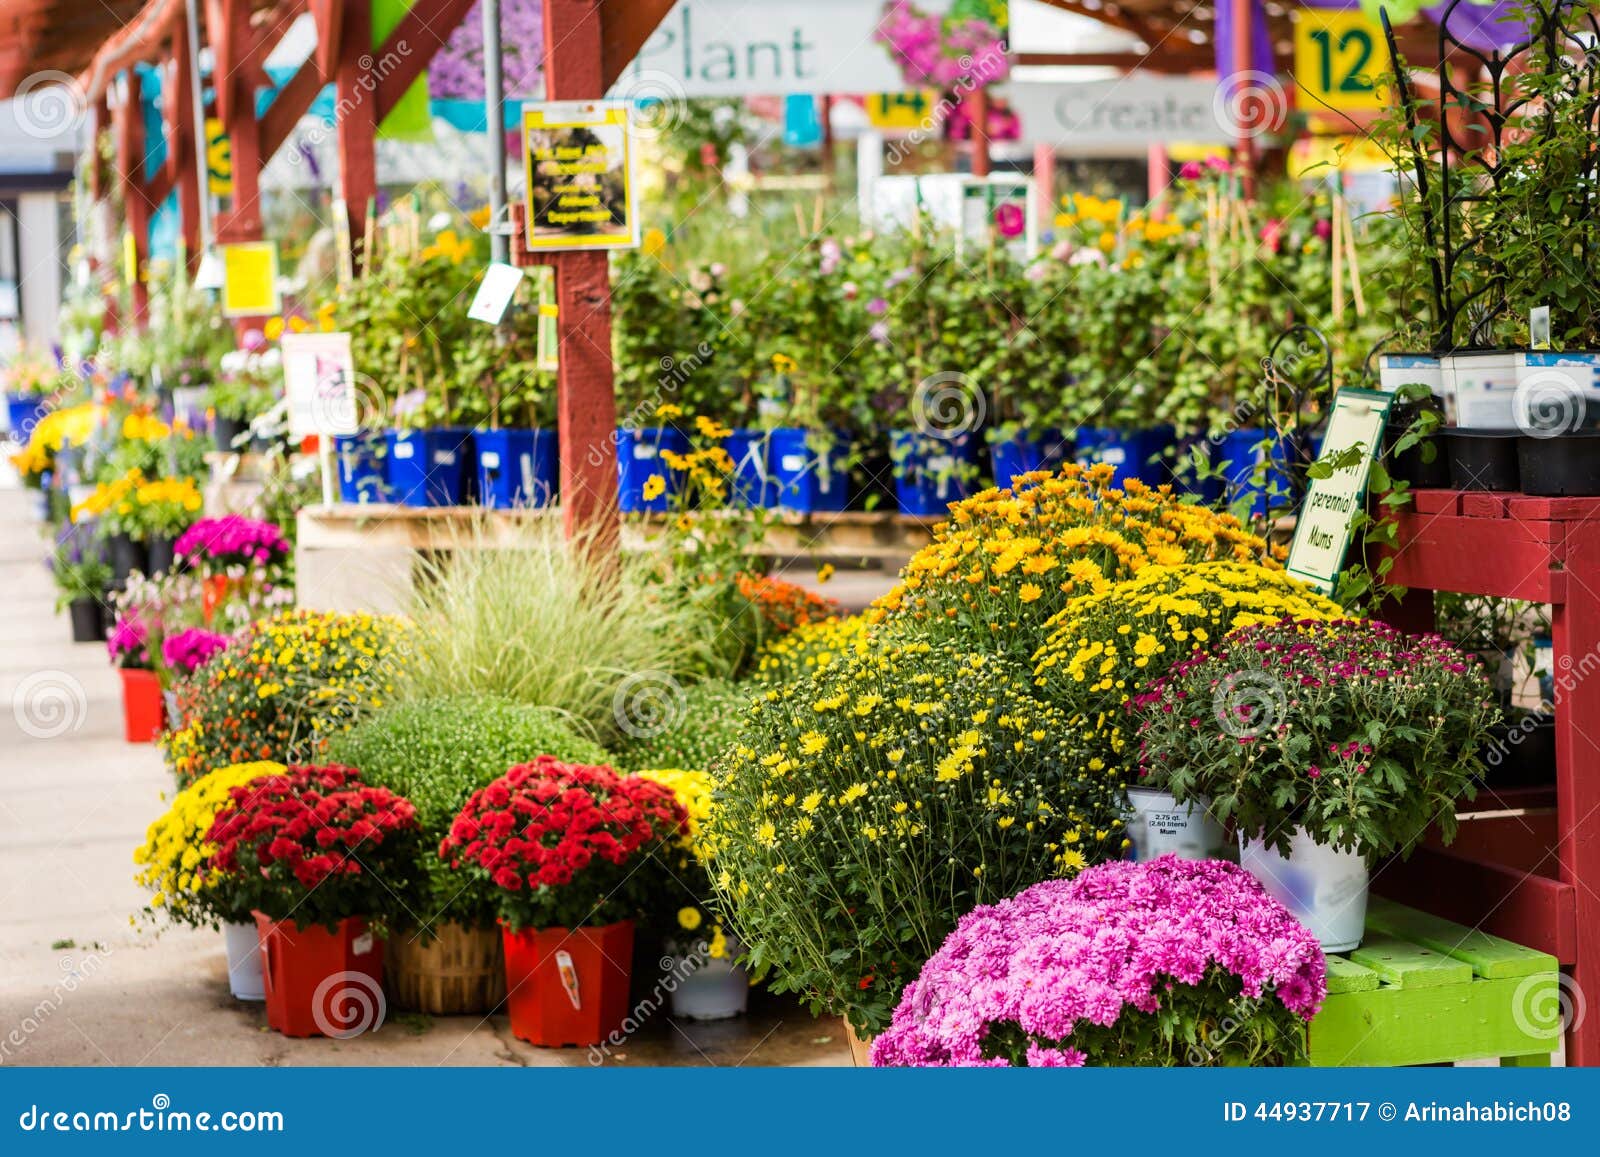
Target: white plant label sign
1322, 531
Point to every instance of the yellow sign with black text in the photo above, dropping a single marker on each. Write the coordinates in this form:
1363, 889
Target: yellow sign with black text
219, 159
903, 112
1340, 61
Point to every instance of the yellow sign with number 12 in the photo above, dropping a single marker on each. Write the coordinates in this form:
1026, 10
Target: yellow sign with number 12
1340, 61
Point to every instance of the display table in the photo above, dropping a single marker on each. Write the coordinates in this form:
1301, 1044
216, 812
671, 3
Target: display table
352, 557
1526, 865
1421, 990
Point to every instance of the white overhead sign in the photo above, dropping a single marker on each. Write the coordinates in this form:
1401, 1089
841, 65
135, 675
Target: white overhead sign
740, 48
1137, 109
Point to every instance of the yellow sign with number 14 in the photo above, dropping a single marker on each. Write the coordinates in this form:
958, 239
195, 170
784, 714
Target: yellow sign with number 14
1340, 61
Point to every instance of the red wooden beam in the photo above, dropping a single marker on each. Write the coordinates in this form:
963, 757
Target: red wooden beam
625, 25
585, 401
356, 117
183, 167
291, 103
409, 48
228, 26
130, 175
329, 18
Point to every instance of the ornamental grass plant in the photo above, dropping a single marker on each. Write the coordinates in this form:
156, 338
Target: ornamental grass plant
436, 753
1168, 962
1363, 736
865, 810
553, 623
1008, 560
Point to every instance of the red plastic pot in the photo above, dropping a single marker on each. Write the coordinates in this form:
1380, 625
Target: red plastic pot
322, 983
144, 712
568, 986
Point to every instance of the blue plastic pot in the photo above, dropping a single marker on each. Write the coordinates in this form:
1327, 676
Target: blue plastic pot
1134, 453
516, 467
361, 476
1244, 451
931, 472
428, 467
810, 480
639, 460
25, 413
753, 484
1026, 452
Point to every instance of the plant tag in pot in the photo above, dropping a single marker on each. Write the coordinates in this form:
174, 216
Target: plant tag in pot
362, 944
489, 460
499, 285
569, 976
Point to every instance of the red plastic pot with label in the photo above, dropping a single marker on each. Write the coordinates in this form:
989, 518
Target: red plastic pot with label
568, 986
322, 983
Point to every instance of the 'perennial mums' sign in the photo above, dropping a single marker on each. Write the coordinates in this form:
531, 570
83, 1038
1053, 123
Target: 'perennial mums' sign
1322, 531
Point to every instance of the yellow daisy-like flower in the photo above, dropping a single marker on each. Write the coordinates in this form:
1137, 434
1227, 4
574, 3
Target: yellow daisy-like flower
689, 919
654, 487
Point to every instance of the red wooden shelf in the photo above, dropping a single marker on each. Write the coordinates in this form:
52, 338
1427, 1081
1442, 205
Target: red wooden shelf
1525, 866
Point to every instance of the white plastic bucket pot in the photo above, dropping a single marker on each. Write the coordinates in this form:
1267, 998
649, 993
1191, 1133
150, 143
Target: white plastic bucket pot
1159, 824
1479, 389
706, 988
243, 944
1555, 392
1396, 370
1323, 888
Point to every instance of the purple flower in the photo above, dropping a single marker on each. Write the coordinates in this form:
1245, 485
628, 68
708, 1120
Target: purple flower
1063, 954
877, 307
188, 651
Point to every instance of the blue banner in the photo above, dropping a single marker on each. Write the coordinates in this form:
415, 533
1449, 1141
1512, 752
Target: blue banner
573, 1111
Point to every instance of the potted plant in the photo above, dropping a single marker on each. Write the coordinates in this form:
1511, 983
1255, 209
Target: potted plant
305, 676
703, 975
560, 843
183, 653
1328, 745
27, 381
829, 806
445, 958
1208, 970
323, 860
143, 712
250, 384
230, 551
81, 581
175, 867
162, 509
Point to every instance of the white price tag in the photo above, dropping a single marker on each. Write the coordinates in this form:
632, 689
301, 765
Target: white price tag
499, 285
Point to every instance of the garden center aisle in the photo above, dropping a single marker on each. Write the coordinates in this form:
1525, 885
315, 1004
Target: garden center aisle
78, 985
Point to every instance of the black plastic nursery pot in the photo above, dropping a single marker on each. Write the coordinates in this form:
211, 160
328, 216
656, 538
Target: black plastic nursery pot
1521, 753
1560, 467
1482, 459
1409, 465
158, 552
88, 621
226, 431
127, 555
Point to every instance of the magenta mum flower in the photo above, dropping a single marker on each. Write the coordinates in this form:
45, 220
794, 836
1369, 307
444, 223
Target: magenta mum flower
1039, 978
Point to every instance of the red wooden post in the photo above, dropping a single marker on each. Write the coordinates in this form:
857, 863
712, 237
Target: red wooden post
1044, 185
979, 106
586, 405
1243, 57
183, 168
1575, 630
229, 24
130, 173
357, 119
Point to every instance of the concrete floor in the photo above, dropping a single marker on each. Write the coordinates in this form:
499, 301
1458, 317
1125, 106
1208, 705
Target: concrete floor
80, 986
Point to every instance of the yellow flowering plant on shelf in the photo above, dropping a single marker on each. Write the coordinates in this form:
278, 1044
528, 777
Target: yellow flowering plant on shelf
1108, 645
689, 892
172, 859
1008, 560
869, 807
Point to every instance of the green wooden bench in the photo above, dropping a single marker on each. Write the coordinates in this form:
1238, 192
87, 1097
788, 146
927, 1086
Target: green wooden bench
1421, 990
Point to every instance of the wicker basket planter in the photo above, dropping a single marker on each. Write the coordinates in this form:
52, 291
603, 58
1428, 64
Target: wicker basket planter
459, 971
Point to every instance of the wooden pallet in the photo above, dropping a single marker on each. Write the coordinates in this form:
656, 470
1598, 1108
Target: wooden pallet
1421, 990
